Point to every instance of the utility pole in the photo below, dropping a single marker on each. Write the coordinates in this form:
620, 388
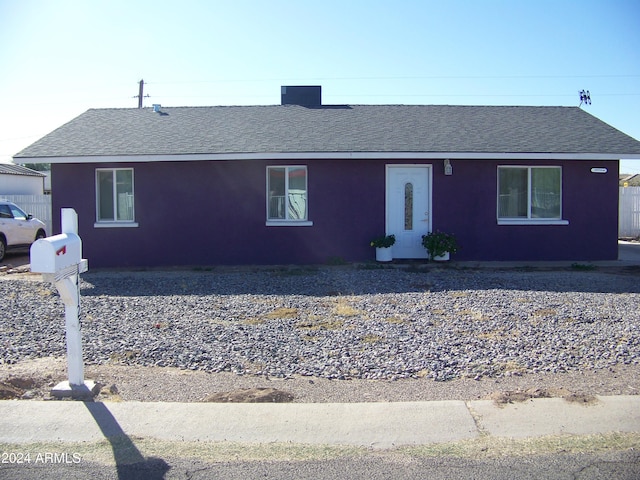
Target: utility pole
140, 93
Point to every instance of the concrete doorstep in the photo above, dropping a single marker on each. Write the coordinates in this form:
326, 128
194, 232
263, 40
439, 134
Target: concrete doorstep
377, 425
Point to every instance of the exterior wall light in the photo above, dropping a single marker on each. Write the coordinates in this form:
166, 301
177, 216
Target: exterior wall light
448, 169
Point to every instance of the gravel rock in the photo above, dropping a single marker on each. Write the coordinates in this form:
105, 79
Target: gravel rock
338, 322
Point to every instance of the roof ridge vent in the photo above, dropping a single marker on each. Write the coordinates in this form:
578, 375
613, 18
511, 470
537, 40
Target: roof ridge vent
305, 96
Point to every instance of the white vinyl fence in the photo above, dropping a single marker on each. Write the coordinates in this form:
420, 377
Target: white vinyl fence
629, 212
37, 205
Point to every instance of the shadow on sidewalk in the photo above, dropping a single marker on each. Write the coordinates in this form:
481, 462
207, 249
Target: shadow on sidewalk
129, 461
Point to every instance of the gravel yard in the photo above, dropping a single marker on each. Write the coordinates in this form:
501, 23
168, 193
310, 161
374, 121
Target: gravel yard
341, 323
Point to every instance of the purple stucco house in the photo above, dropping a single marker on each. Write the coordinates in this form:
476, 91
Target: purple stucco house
303, 182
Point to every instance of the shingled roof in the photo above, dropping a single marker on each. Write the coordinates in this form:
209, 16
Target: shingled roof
11, 169
338, 129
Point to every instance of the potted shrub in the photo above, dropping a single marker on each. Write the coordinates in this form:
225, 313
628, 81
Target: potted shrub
439, 245
383, 247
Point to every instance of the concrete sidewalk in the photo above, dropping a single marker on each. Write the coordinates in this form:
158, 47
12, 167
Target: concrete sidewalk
378, 425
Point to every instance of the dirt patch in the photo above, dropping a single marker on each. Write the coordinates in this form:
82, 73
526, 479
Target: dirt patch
251, 395
10, 392
513, 396
32, 379
21, 387
581, 398
121, 382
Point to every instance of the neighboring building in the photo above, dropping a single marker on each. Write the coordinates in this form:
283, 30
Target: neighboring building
304, 182
19, 180
630, 180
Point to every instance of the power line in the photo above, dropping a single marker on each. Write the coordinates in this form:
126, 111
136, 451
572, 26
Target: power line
418, 77
479, 95
407, 95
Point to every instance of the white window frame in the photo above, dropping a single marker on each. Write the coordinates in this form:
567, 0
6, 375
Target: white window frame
285, 222
114, 223
529, 220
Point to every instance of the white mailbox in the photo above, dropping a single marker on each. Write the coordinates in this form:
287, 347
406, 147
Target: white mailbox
56, 254
59, 259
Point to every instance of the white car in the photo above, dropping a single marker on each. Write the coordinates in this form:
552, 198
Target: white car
17, 229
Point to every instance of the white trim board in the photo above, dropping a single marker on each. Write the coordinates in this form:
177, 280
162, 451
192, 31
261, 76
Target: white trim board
327, 156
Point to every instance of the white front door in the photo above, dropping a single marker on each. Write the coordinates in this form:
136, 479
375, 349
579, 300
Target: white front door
408, 205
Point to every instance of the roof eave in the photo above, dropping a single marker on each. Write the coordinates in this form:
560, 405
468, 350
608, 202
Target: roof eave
329, 156
34, 175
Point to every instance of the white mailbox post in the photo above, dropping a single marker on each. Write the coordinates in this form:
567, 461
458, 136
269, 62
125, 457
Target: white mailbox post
59, 259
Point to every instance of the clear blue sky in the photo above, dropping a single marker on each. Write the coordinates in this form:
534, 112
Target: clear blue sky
59, 58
